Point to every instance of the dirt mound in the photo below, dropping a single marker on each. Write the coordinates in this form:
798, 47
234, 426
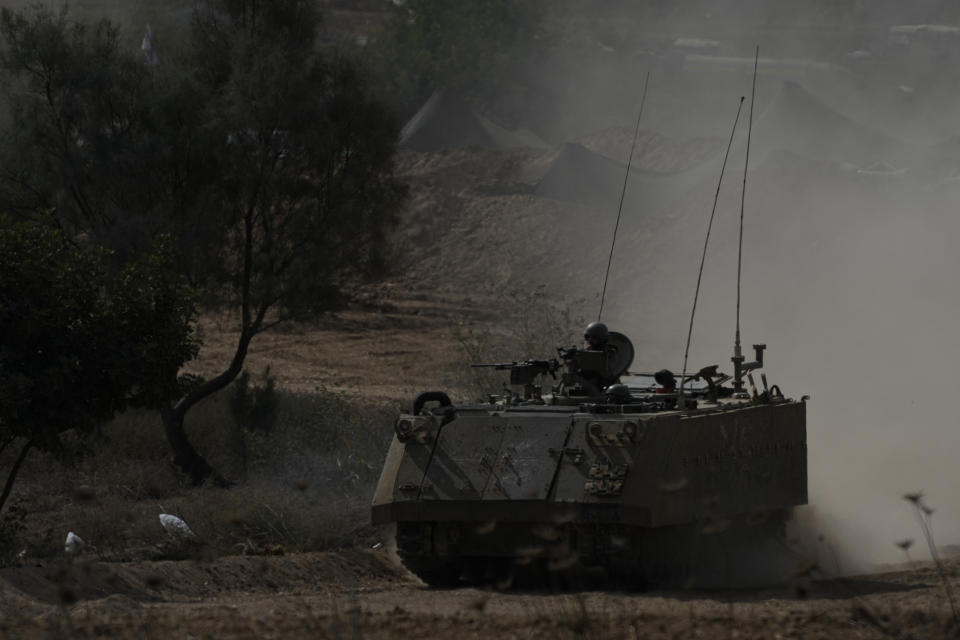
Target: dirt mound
654, 152
905, 604
475, 222
165, 581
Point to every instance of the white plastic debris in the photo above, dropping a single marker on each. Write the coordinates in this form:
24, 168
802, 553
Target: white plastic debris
175, 526
73, 544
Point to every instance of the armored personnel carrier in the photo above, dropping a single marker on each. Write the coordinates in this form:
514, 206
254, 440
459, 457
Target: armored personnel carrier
640, 476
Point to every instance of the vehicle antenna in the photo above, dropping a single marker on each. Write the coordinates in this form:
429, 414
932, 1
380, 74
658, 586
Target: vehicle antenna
623, 192
703, 258
737, 353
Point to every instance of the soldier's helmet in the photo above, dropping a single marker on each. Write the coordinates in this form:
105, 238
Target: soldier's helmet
596, 334
618, 393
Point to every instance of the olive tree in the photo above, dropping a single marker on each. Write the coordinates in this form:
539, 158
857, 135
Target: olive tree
266, 158
469, 46
306, 191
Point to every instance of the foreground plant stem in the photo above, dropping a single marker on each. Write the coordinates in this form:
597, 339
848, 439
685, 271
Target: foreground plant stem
12, 476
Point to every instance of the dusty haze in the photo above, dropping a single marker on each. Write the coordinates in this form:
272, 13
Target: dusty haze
849, 268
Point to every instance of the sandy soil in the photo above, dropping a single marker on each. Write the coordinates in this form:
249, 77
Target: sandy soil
366, 594
384, 354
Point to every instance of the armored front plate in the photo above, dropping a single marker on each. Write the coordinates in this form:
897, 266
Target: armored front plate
398, 489
495, 457
465, 454
527, 460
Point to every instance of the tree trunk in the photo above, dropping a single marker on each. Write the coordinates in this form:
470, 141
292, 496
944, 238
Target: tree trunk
185, 456
6, 443
8, 486
251, 322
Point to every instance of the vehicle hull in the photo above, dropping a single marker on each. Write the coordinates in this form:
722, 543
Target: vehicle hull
604, 485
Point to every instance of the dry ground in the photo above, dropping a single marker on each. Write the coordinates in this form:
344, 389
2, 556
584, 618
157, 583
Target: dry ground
390, 352
386, 353
364, 594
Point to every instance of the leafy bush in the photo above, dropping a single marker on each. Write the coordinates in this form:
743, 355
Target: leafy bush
80, 341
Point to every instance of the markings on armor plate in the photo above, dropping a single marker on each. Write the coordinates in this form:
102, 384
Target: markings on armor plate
606, 480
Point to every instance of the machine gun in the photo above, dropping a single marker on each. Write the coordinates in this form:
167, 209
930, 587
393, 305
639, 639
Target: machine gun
525, 374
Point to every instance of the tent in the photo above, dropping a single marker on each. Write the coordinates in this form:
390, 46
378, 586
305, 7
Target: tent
580, 175
799, 122
446, 121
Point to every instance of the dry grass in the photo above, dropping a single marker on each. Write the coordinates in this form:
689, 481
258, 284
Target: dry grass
304, 483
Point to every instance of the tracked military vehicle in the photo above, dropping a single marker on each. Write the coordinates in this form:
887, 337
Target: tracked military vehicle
584, 466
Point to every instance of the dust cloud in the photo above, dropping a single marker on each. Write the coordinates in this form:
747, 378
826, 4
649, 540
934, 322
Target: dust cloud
851, 220
849, 265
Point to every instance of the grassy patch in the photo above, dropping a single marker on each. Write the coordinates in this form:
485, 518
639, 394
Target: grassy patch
305, 478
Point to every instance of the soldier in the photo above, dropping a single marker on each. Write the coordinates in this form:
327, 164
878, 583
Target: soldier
595, 336
668, 385
593, 367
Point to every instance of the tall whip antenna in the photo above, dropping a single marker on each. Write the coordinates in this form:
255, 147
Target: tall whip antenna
737, 353
703, 258
623, 192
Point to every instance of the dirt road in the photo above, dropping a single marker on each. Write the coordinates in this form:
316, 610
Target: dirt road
364, 594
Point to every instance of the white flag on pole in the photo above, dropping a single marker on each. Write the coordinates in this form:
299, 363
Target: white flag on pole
147, 48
